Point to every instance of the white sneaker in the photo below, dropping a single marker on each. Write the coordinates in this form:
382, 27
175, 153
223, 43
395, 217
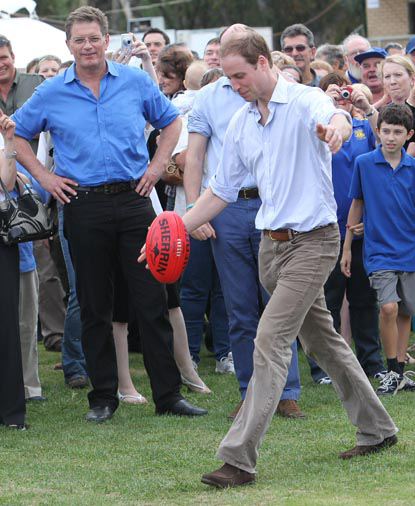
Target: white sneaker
225, 365
324, 381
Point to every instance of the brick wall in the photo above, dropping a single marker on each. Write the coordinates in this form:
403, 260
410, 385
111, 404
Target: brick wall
390, 18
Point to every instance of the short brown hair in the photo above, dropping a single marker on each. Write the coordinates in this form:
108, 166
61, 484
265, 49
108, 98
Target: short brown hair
333, 78
250, 45
5, 42
174, 59
86, 14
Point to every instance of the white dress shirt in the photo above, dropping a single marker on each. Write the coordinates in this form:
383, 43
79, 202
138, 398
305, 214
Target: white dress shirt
291, 166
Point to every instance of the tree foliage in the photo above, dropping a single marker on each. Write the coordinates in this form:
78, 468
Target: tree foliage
330, 20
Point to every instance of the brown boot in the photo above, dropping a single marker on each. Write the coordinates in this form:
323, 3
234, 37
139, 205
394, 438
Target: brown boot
361, 451
288, 408
232, 415
228, 476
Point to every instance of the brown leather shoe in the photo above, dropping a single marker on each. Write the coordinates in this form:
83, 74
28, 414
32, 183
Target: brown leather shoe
228, 476
232, 415
361, 451
288, 408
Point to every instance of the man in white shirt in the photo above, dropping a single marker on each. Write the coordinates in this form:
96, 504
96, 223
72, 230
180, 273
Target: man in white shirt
284, 138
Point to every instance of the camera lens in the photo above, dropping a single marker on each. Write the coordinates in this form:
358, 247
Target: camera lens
345, 94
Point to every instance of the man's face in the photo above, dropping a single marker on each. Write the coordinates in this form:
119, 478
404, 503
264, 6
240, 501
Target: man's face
245, 78
356, 46
298, 48
370, 74
211, 56
88, 45
155, 43
393, 137
7, 70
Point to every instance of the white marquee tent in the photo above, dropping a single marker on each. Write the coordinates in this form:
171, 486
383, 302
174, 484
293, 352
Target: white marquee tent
30, 38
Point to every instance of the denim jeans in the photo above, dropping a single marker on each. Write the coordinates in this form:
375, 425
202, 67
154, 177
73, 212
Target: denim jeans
73, 360
200, 285
236, 252
293, 273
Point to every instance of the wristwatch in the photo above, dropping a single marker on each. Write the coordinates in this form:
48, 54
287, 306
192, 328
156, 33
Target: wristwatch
10, 155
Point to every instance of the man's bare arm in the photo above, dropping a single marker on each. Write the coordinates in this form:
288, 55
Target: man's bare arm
167, 142
193, 174
55, 185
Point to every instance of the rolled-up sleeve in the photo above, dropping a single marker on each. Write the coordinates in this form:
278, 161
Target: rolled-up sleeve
198, 122
230, 172
322, 108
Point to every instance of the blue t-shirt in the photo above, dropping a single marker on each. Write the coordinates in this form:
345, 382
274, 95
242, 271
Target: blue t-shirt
389, 211
97, 140
361, 141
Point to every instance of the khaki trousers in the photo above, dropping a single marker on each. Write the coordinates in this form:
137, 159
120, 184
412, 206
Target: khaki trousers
293, 273
28, 313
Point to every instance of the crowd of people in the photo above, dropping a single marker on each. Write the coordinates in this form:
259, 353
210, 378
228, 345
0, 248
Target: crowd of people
271, 159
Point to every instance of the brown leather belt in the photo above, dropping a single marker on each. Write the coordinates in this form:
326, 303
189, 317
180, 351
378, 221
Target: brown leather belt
282, 234
248, 193
110, 188
286, 234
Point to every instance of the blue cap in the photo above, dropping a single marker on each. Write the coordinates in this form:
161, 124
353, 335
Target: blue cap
372, 52
410, 46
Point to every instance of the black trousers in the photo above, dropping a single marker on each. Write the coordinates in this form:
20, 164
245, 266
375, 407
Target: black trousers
363, 308
12, 397
102, 230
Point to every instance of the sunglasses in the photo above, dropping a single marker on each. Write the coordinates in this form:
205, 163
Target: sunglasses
300, 48
4, 42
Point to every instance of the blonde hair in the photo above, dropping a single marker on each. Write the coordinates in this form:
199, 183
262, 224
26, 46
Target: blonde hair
365, 90
321, 64
401, 60
280, 58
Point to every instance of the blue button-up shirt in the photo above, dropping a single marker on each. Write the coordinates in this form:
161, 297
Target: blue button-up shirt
97, 140
212, 111
291, 166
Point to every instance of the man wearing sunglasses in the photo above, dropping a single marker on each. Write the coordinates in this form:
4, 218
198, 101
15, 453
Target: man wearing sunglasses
297, 41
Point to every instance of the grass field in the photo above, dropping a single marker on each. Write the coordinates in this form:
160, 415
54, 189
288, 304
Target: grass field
140, 459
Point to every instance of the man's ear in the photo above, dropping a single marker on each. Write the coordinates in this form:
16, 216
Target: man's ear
410, 134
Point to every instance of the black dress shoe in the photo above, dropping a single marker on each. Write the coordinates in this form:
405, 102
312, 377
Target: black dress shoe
183, 408
36, 398
99, 414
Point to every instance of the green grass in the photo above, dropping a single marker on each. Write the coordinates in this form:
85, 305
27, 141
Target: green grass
140, 459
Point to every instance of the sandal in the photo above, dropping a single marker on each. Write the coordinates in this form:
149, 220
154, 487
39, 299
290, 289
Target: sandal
132, 399
409, 359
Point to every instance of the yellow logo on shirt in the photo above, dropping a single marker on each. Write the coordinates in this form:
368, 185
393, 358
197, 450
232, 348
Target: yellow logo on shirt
359, 134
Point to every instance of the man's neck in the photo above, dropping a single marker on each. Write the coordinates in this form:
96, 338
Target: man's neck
308, 76
91, 74
264, 99
394, 159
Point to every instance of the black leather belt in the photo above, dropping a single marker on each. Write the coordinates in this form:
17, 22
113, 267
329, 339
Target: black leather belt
248, 193
110, 188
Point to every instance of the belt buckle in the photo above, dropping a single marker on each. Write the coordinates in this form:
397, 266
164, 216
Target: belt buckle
270, 235
244, 190
107, 189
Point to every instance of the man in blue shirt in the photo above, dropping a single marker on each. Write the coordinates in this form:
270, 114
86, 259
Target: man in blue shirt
383, 186
96, 113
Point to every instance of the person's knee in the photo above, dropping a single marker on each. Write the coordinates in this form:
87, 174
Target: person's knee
389, 311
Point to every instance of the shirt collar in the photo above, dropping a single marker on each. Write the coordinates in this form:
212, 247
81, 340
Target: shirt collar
279, 95
70, 74
379, 158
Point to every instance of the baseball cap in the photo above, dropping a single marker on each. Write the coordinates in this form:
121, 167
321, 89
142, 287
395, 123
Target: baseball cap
372, 52
410, 46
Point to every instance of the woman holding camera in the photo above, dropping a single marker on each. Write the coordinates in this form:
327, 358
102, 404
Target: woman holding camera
12, 395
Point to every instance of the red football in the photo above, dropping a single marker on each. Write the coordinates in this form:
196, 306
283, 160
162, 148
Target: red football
167, 247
